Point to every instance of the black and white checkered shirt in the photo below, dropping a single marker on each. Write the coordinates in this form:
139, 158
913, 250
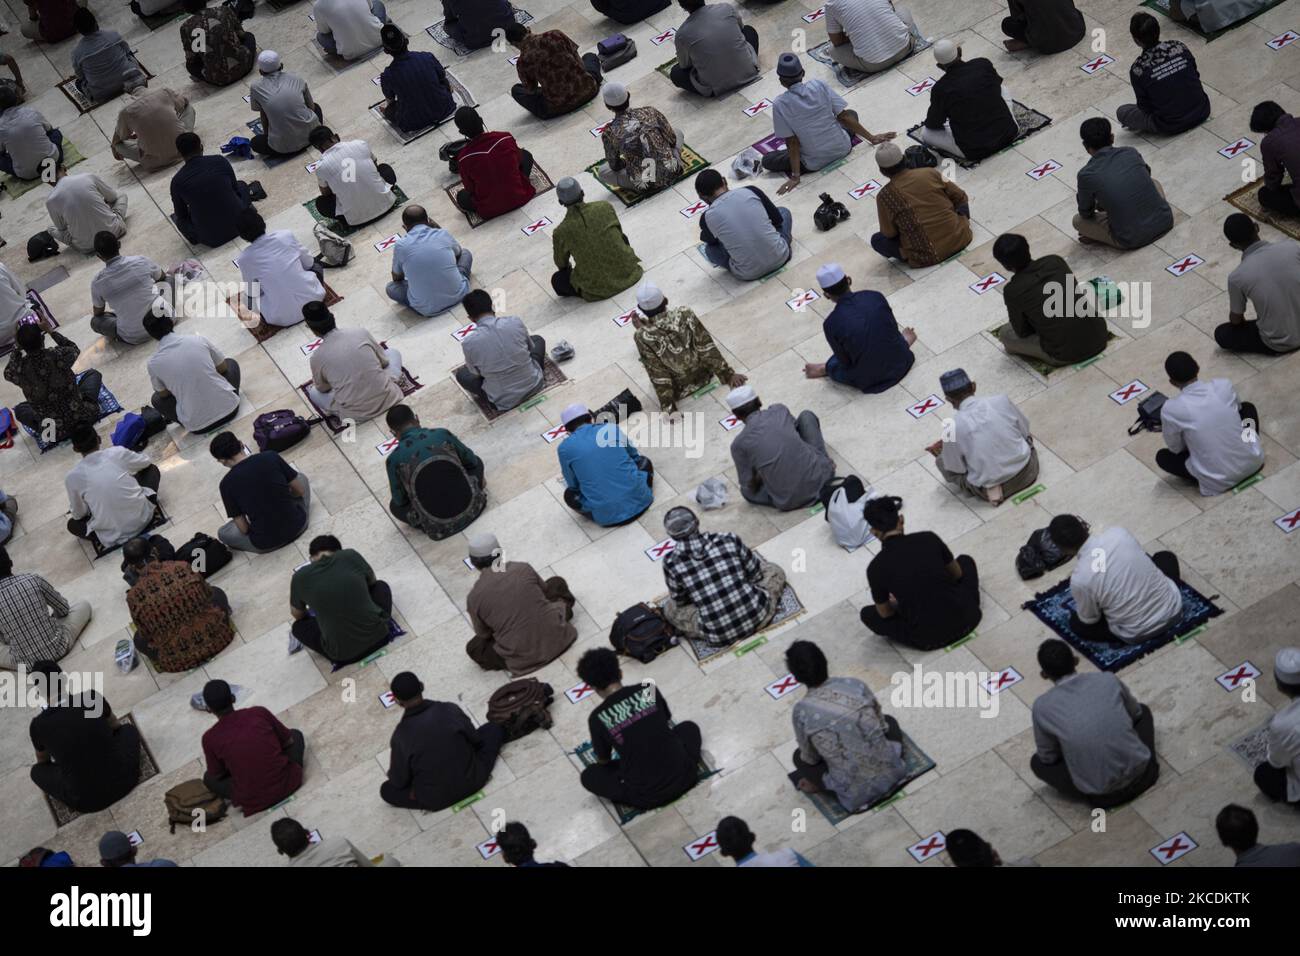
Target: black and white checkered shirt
26, 601
720, 576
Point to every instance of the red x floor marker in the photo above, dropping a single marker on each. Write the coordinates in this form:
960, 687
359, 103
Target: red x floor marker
782, 686
309, 347
932, 845
1174, 848
579, 693
999, 682
1283, 40
730, 423
814, 16
533, 228
1046, 169
1092, 66
514, 60
377, 80
311, 167
869, 188
463, 332
1289, 522
656, 552
625, 318
924, 406
1240, 146
597, 130
1126, 393
385, 448
387, 699
383, 245
488, 848
555, 434
664, 37
694, 209
703, 846
990, 281
1239, 675
802, 300
759, 107
918, 88
1186, 264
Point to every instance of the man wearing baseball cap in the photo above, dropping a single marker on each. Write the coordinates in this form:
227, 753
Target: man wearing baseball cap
970, 109
606, 479
285, 107
643, 152
676, 349
867, 349
781, 461
1278, 777
116, 849
924, 218
592, 255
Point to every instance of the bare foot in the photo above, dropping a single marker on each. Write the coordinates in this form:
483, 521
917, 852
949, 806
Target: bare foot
909, 335
1085, 241
1015, 46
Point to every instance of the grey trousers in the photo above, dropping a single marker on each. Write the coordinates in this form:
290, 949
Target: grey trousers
1135, 118
1017, 483
1030, 346
844, 55
230, 535
74, 622
130, 149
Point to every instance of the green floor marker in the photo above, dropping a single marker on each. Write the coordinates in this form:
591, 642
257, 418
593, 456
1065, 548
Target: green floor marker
816, 509
532, 404
1254, 479
890, 802
774, 272
705, 390
1028, 493
374, 657
965, 640
286, 800
474, 798
1190, 634
1086, 362
746, 648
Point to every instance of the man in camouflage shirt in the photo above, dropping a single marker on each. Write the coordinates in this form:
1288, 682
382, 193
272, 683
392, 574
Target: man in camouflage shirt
217, 49
642, 150
676, 349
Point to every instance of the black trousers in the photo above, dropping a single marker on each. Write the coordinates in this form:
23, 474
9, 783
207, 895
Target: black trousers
147, 478
1242, 338
627, 13
492, 738
1015, 27
474, 383
307, 630
1279, 199
1176, 463
166, 406
51, 778
896, 626
1272, 783
535, 100
465, 199
681, 76
606, 779
1057, 775
1167, 562
262, 146
91, 382
224, 786
327, 206
562, 282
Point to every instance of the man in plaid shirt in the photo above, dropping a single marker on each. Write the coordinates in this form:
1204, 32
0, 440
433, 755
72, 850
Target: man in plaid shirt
718, 589
36, 621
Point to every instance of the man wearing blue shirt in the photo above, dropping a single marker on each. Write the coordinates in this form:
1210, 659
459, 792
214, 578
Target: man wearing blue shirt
416, 93
869, 351
430, 269
608, 481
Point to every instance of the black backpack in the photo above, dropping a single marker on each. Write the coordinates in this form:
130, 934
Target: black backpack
1038, 556
41, 246
919, 157
642, 632
204, 553
1149, 413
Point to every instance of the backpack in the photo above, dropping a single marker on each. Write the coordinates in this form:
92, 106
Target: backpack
1038, 556
8, 428
611, 53
280, 430
1149, 413
334, 249
41, 246
208, 552
415, 475
521, 707
642, 632
129, 432
919, 157
184, 798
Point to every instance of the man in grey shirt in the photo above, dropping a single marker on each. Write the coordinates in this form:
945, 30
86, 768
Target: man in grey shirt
1239, 832
102, 60
287, 111
81, 207
27, 140
1095, 742
716, 51
1269, 279
1120, 204
129, 286
503, 363
742, 231
781, 461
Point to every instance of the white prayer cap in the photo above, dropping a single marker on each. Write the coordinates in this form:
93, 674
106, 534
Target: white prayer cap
1286, 666
830, 274
576, 410
649, 296
268, 61
740, 396
945, 51
614, 93
483, 545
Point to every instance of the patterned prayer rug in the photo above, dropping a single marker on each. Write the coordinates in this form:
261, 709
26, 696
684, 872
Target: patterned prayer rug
625, 813
443, 38
84, 103
789, 607
108, 405
1038, 365
1029, 120
542, 183
917, 762
258, 327
336, 227
847, 77
63, 814
1252, 748
692, 163
552, 375
1247, 200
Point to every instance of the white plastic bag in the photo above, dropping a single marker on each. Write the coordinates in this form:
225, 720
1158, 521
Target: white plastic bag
711, 495
749, 163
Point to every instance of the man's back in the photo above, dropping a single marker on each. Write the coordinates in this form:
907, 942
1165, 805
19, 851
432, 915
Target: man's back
171, 606
596, 458
1279, 854
1114, 577
205, 188
489, 169
990, 440
152, 117
741, 221
354, 26
792, 472
1168, 87
225, 58
870, 353
79, 204
101, 486
969, 97
720, 57
498, 350
645, 141
550, 61
528, 630
1119, 181
278, 266
840, 718
809, 111
349, 171
919, 206
428, 259
258, 489
434, 743
720, 576
186, 366
248, 744
26, 624
604, 264
283, 98
349, 365
76, 734
103, 60
1269, 278
23, 136
875, 31
1204, 419
1041, 300
417, 81
476, 19
126, 285
1088, 720
337, 588
1053, 25
635, 722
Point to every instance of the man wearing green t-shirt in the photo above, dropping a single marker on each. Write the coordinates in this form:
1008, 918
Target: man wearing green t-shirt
339, 609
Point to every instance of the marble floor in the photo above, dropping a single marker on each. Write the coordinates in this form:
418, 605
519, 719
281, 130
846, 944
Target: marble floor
1229, 545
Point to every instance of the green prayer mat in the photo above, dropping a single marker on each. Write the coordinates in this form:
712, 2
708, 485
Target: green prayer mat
344, 231
1044, 368
692, 163
16, 187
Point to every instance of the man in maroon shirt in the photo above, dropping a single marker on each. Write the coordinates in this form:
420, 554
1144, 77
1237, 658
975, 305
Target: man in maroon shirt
253, 760
1281, 152
493, 169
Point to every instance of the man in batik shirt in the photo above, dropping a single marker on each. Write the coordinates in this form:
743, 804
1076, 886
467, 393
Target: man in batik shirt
642, 150
676, 349
217, 49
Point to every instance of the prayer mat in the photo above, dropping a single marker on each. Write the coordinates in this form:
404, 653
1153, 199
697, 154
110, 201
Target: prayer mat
1053, 608
541, 181
261, 330
1252, 749
159, 519
163, 17
666, 68
774, 144
343, 231
64, 814
394, 632
1038, 365
271, 161
789, 607
1029, 120
916, 761
108, 405
85, 104
552, 376
625, 813
1162, 7
16, 187
460, 93
49, 280
340, 64
1247, 200
410, 385
847, 77
38, 306
443, 38
692, 163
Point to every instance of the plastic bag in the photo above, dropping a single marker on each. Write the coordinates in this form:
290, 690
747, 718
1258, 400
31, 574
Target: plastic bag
749, 163
711, 495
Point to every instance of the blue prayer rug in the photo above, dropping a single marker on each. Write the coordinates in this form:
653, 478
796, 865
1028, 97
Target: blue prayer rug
108, 405
394, 632
438, 32
626, 813
1053, 608
916, 761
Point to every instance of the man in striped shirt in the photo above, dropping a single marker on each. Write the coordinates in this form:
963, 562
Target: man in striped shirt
869, 35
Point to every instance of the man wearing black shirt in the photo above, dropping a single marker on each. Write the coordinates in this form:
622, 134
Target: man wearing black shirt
206, 195
266, 500
629, 11
1170, 97
970, 111
657, 761
85, 758
924, 598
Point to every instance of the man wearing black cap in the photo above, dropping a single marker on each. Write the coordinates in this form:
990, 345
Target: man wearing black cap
437, 756
252, 759
1212, 437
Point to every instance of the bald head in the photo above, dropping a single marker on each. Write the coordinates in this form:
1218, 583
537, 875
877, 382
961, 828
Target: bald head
413, 216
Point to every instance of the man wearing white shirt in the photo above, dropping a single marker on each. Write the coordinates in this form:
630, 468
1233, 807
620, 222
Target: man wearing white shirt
14, 304
354, 187
83, 205
193, 383
126, 286
349, 28
1278, 777
991, 454
280, 276
111, 492
1213, 438
1121, 594
869, 35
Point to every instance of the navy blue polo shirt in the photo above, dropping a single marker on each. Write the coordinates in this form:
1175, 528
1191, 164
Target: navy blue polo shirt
870, 352
418, 83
